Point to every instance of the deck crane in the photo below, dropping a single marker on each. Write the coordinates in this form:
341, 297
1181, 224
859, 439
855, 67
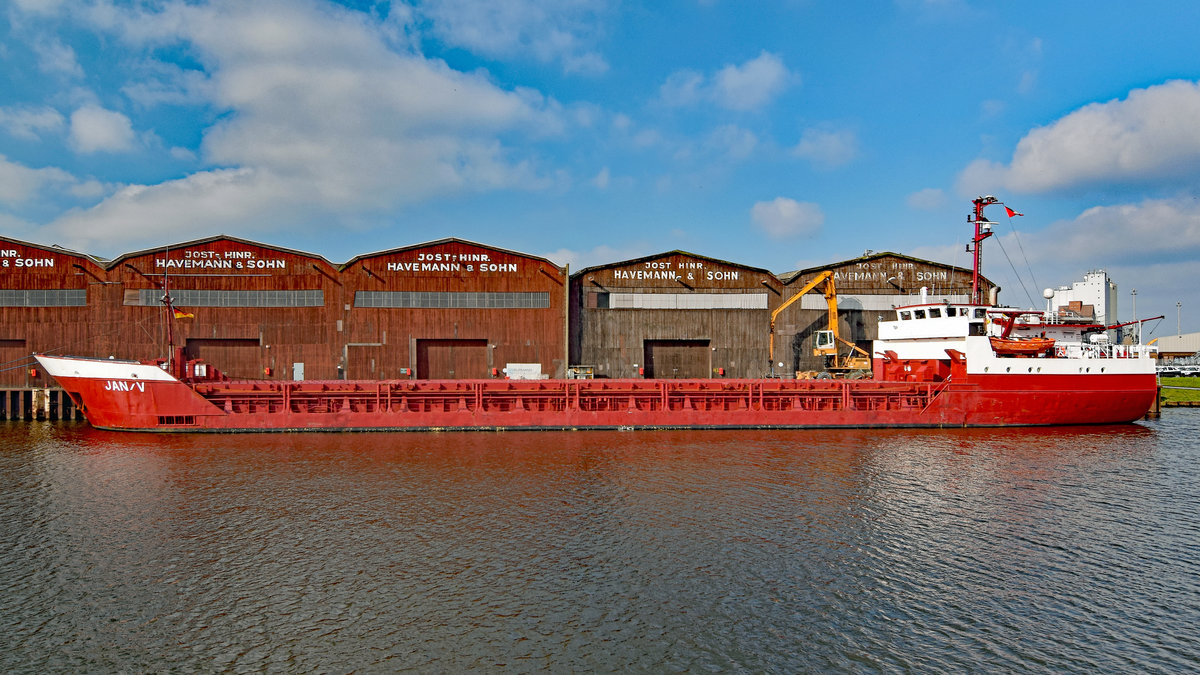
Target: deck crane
825, 342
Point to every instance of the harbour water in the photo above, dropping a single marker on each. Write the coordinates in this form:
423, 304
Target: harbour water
1055, 549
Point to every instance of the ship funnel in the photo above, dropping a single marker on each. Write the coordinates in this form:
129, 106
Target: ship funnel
924, 295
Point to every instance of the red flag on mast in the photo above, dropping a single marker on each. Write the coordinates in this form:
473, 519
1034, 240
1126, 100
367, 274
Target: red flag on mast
1012, 213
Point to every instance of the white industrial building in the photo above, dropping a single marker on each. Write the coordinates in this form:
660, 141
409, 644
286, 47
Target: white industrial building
1093, 298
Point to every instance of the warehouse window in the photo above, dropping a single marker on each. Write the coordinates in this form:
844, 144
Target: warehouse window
205, 298
75, 297
435, 300
687, 300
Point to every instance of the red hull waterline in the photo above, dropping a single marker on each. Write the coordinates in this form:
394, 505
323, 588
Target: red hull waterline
132, 396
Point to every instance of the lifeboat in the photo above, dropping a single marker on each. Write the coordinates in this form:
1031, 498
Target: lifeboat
1029, 346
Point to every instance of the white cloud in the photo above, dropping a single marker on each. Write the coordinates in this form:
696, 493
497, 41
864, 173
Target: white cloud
317, 113
732, 141
186, 208
1154, 229
90, 189
752, 84
29, 123
783, 218
1152, 245
547, 30
39, 6
168, 84
1150, 135
1137, 234
744, 87
55, 57
601, 179
683, 88
827, 147
927, 199
94, 129
19, 184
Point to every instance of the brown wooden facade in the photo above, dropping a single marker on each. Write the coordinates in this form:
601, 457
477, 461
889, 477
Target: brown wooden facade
48, 301
868, 289
256, 311
675, 314
443, 309
453, 309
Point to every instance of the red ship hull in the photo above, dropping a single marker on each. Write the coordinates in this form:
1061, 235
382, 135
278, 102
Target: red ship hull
142, 401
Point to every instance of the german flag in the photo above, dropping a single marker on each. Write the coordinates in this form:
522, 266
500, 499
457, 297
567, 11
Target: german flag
180, 314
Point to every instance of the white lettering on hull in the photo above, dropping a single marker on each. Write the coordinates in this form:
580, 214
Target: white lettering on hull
117, 385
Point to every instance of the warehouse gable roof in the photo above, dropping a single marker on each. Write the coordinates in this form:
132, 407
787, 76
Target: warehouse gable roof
208, 240
54, 248
442, 242
657, 256
788, 277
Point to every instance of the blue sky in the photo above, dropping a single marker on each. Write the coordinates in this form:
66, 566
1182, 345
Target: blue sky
780, 135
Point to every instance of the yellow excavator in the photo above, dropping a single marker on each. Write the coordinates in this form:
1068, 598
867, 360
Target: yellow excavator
826, 342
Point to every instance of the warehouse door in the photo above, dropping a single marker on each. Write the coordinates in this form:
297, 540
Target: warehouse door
374, 362
677, 358
236, 357
15, 355
452, 359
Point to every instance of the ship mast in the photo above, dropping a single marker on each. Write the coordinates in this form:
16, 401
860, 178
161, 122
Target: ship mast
983, 230
170, 314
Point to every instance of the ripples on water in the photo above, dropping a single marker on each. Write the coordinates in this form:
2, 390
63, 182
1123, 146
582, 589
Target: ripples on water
1042, 549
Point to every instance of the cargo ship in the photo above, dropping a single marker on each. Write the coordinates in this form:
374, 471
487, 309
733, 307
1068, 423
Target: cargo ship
934, 364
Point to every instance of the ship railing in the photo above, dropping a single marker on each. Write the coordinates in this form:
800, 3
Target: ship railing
703, 396
1083, 350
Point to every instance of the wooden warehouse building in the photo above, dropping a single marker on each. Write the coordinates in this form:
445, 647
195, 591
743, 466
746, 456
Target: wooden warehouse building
453, 309
49, 301
868, 289
443, 309
671, 315
250, 309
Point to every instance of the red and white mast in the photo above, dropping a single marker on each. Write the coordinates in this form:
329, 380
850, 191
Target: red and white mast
983, 230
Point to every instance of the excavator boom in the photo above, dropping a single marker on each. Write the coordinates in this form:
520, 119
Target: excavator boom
825, 341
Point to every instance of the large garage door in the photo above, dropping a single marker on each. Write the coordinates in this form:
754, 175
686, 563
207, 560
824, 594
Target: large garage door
452, 359
15, 363
677, 358
235, 357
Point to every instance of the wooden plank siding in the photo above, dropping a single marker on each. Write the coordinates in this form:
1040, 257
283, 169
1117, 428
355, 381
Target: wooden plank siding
511, 303
35, 281
447, 308
222, 282
868, 288
623, 311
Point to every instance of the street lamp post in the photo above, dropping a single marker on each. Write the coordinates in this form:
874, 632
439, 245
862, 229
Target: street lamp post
1179, 318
